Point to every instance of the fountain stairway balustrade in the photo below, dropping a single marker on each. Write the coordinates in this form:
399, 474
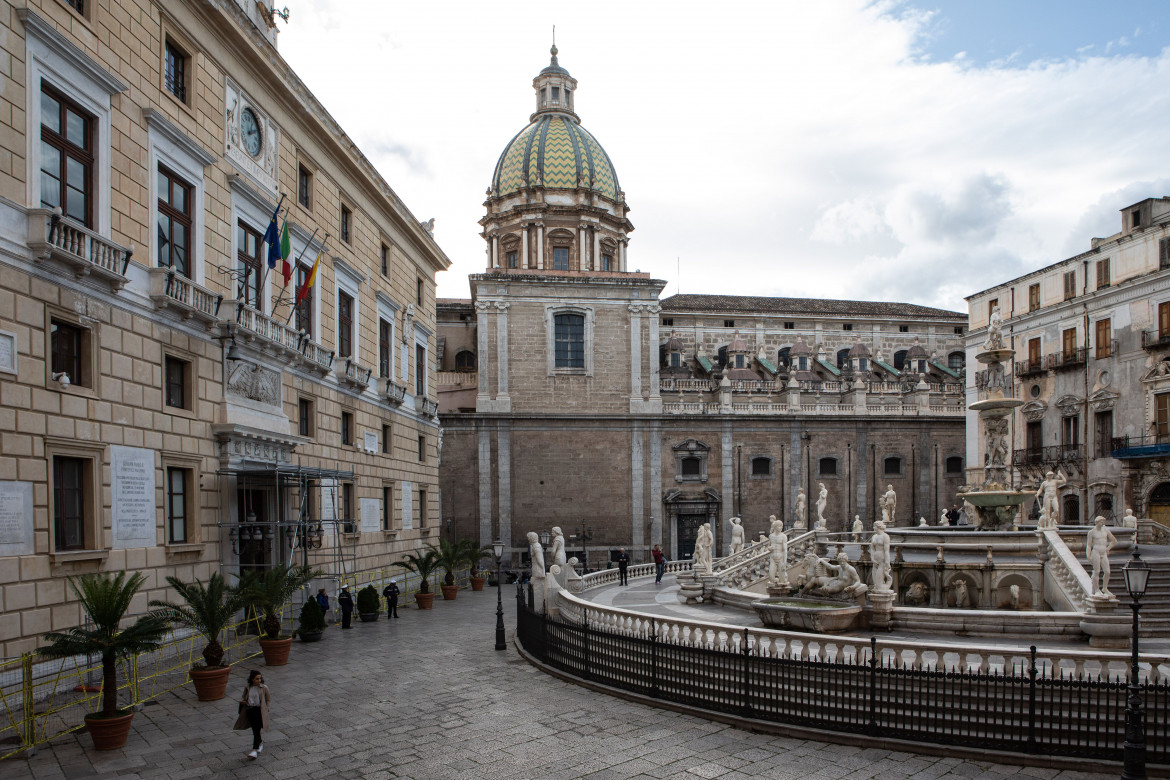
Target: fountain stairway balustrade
1155, 606
749, 566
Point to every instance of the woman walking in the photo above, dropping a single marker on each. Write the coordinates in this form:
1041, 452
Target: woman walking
254, 710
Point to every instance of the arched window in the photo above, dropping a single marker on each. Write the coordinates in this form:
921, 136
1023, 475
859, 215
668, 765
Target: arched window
761, 467
956, 361
465, 360
892, 466
691, 467
570, 340
899, 359
1070, 510
842, 357
827, 467
782, 358
1104, 505
955, 464
722, 356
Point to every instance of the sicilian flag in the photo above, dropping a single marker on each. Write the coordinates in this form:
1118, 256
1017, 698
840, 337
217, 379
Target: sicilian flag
312, 277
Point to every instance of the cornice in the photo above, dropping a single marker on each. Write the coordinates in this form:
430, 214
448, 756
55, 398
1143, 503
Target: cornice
156, 121
47, 34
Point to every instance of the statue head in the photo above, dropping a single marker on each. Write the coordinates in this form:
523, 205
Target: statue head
533, 538
556, 531
842, 557
889, 487
1099, 521
879, 526
771, 518
1050, 475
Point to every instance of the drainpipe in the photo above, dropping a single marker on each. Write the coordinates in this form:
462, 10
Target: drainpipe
913, 485
936, 478
738, 479
1085, 415
873, 487
849, 482
782, 494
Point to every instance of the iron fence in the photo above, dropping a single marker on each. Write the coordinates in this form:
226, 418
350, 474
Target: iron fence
1028, 708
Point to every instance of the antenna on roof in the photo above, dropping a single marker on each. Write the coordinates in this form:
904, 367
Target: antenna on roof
677, 276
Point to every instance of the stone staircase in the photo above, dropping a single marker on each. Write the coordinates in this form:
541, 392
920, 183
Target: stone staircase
1155, 610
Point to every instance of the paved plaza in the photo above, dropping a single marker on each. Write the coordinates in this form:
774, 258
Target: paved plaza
426, 697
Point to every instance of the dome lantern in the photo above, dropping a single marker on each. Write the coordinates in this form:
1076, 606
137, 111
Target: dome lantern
554, 90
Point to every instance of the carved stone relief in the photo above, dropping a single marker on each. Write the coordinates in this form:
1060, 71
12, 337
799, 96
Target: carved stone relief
255, 382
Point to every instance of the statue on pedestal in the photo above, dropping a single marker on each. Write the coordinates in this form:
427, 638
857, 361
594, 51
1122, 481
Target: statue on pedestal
1098, 543
558, 548
822, 500
736, 536
801, 510
994, 330
858, 528
536, 553
889, 503
778, 554
703, 543
879, 551
1048, 496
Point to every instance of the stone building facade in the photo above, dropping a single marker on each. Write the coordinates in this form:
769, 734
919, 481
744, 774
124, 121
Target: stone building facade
571, 394
164, 407
1092, 338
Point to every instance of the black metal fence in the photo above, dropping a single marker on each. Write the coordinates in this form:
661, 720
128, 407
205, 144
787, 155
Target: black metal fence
1024, 710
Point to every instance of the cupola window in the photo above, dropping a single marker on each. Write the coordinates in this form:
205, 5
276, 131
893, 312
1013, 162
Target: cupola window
556, 94
607, 262
863, 364
560, 257
513, 259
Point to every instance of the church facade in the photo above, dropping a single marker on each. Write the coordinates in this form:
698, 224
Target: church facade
572, 394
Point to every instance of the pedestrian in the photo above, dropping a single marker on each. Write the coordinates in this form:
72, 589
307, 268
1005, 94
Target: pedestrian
391, 594
623, 562
659, 563
345, 601
323, 603
953, 514
254, 710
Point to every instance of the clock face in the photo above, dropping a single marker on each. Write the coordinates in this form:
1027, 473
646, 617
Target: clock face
250, 132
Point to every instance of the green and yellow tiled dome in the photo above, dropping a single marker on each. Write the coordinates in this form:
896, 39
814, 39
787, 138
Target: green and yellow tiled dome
560, 154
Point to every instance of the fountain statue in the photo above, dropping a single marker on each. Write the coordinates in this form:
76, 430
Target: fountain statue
996, 503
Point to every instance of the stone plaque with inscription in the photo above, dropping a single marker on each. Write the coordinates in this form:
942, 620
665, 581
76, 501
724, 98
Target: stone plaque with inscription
407, 506
134, 512
16, 518
371, 515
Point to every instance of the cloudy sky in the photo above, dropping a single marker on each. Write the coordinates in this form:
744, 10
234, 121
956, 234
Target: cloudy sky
915, 151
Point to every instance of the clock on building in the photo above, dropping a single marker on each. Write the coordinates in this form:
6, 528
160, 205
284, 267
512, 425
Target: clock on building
250, 132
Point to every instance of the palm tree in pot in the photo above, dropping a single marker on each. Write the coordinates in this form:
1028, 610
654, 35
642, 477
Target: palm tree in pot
423, 564
105, 598
268, 591
208, 609
451, 557
473, 553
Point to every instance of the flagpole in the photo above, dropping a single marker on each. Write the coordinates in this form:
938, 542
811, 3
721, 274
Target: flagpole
264, 273
320, 252
293, 308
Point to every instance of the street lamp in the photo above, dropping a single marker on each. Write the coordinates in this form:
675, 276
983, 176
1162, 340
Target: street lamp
1137, 575
498, 551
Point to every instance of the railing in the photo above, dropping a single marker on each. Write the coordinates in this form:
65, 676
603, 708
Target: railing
393, 392
1067, 359
886, 387
1027, 703
457, 378
1048, 456
669, 385
274, 332
1029, 367
1157, 443
780, 406
51, 235
751, 564
1067, 572
169, 289
316, 356
1155, 339
355, 374
430, 408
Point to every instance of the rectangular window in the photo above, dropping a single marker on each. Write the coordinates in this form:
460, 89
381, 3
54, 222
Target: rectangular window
346, 217
991, 304
347, 506
347, 428
344, 324
560, 258
1034, 351
385, 259
847, 326
1164, 320
790, 326
67, 160
513, 259
569, 340
422, 508
68, 344
1103, 273
175, 78
606, 262
1104, 424
387, 507
248, 265
1070, 431
178, 489
668, 322
729, 323
1135, 218
69, 489
1164, 254
305, 417
1068, 342
1034, 438
1034, 297
1104, 339
1162, 416
176, 382
418, 291
304, 186
304, 308
387, 441
420, 369
903, 328
174, 223
76, 5
958, 330
422, 449
556, 94
385, 360
1070, 285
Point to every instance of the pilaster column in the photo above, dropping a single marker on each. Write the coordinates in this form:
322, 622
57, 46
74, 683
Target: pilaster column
635, 351
656, 508
525, 260
484, 459
596, 249
653, 310
540, 245
637, 487
504, 472
495, 251
483, 359
622, 254
502, 350
583, 249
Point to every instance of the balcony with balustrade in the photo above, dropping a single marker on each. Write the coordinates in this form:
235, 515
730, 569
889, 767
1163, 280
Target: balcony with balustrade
1066, 359
52, 236
274, 337
1036, 460
173, 291
354, 374
1156, 339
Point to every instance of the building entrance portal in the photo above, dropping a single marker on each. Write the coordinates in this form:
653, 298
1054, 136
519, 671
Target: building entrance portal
1160, 503
686, 531
685, 512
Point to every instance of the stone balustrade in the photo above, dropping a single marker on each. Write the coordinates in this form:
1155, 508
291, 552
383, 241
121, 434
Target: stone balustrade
55, 237
170, 290
272, 335
1064, 570
776, 405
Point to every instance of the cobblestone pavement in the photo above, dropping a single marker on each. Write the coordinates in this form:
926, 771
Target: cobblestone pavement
426, 697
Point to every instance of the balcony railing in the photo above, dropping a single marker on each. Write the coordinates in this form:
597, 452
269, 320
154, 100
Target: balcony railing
276, 337
1029, 367
354, 374
1048, 456
430, 408
1067, 359
170, 290
1149, 445
667, 385
393, 393
52, 236
1155, 339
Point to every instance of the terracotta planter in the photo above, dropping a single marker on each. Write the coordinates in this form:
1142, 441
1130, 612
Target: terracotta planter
109, 733
424, 600
449, 591
210, 683
276, 651
477, 583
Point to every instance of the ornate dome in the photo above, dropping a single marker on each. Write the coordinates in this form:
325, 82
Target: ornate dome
554, 151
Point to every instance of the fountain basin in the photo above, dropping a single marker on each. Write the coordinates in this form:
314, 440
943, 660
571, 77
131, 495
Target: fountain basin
995, 498
996, 407
813, 615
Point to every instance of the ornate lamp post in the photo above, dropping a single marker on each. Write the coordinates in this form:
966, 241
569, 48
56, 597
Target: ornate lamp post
1137, 575
498, 551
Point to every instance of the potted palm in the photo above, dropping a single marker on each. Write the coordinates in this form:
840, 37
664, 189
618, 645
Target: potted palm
423, 564
268, 591
208, 609
312, 622
368, 605
473, 553
450, 557
105, 598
